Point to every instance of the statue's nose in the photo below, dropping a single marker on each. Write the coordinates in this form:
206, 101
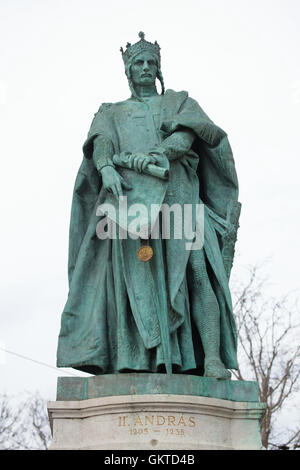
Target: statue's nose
145, 66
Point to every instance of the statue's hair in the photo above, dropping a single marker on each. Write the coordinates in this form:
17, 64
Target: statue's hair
161, 79
130, 82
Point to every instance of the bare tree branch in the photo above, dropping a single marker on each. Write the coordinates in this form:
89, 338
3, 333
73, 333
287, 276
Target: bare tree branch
24, 426
268, 351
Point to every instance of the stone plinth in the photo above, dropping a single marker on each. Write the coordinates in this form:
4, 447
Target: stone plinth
155, 411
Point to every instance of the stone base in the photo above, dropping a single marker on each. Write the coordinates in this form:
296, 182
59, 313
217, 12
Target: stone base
155, 422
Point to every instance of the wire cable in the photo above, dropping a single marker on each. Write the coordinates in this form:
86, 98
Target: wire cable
37, 362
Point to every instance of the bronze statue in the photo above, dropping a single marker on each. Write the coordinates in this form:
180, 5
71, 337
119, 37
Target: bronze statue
171, 311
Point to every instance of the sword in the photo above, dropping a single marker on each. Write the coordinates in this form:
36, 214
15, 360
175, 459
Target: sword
163, 321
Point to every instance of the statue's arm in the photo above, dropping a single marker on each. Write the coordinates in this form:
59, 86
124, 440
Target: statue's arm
103, 153
103, 159
176, 145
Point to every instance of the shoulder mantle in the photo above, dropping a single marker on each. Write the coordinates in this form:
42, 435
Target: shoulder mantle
182, 93
110, 107
104, 107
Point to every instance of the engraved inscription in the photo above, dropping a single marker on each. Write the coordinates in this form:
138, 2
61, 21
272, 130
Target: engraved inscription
170, 425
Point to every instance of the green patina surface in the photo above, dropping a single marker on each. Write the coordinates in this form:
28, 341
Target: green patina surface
83, 388
173, 313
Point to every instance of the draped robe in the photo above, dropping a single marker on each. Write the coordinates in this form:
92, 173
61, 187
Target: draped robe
110, 320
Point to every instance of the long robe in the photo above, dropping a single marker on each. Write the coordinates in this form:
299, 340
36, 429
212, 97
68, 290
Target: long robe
110, 322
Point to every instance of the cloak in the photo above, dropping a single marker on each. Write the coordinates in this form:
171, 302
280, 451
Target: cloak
86, 338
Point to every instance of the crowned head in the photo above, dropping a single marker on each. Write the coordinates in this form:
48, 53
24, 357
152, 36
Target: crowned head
144, 52
142, 45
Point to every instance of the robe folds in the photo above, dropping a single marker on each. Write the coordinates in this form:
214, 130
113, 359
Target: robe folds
110, 320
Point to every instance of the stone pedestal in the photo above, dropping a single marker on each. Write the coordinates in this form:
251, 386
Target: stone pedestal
155, 411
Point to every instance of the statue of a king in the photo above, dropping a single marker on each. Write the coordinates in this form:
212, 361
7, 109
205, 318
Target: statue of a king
147, 303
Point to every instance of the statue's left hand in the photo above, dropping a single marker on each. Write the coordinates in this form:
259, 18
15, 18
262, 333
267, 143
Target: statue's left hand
139, 161
158, 159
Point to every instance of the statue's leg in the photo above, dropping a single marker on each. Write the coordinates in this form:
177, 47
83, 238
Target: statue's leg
206, 315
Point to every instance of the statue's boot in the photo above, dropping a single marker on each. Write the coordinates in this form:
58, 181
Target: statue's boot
214, 367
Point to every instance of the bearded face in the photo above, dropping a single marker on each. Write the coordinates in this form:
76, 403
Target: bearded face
143, 70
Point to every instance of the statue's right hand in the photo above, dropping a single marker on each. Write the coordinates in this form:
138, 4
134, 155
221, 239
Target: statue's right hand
113, 182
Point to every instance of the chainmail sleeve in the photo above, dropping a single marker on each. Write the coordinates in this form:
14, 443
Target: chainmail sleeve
176, 145
103, 152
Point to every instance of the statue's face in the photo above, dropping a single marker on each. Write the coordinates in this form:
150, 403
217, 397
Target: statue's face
144, 69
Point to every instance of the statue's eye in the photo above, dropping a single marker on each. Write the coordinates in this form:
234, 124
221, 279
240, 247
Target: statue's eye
139, 62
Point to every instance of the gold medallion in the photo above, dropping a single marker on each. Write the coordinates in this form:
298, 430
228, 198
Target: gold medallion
145, 253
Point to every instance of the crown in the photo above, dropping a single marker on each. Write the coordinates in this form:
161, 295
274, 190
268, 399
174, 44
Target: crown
138, 47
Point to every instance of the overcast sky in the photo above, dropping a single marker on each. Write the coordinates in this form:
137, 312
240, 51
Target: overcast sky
59, 61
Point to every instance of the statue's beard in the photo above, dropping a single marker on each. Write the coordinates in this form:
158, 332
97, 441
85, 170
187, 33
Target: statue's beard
133, 91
